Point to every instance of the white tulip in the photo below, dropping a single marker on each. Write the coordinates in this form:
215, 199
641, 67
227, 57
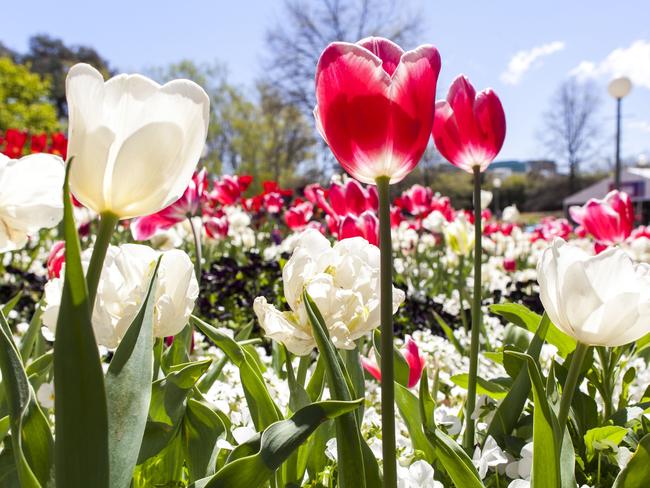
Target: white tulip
510, 214
459, 235
598, 300
343, 281
486, 199
31, 198
123, 287
135, 143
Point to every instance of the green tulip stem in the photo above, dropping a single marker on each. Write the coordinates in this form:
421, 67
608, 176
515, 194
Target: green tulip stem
570, 384
470, 404
107, 224
196, 234
386, 314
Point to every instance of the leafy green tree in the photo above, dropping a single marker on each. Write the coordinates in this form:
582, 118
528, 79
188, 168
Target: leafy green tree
51, 58
259, 134
24, 99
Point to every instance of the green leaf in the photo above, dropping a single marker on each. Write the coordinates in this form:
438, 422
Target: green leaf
128, 390
637, 472
529, 320
453, 458
484, 387
11, 304
409, 410
266, 452
298, 397
263, 409
202, 428
348, 436
401, 367
509, 410
603, 438
81, 449
29, 339
31, 438
546, 462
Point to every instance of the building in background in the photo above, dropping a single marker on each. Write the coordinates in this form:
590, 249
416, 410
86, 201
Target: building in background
634, 181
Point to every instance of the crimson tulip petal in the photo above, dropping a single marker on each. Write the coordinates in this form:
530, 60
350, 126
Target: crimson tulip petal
386, 50
371, 368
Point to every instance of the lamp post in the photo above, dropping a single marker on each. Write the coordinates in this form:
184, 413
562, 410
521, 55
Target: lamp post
496, 184
619, 88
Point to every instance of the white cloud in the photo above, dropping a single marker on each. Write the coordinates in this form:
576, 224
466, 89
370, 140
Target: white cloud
632, 61
523, 60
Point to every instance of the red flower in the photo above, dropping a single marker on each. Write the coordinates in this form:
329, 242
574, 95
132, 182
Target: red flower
609, 220
549, 228
216, 226
229, 189
469, 128
55, 260
298, 216
365, 225
14, 143
186, 206
38, 143
413, 358
59, 145
510, 265
375, 105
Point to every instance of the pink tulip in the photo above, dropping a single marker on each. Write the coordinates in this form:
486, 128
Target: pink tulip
609, 220
186, 206
298, 216
229, 189
469, 128
420, 202
216, 226
55, 260
414, 359
375, 105
365, 225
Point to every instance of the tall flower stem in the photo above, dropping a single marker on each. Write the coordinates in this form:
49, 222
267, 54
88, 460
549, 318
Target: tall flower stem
570, 384
476, 316
107, 224
386, 314
198, 255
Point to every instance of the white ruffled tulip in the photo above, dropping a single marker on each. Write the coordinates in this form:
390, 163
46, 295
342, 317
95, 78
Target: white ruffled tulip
123, 286
135, 143
599, 300
31, 197
343, 281
459, 236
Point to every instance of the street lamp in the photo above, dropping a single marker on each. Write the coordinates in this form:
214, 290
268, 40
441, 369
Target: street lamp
619, 88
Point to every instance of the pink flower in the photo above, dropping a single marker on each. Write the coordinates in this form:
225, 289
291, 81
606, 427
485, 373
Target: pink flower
414, 359
510, 265
420, 202
55, 260
216, 226
365, 225
375, 105
229, 189
549, 228
298, 216
186, 206
609, 220
469, 128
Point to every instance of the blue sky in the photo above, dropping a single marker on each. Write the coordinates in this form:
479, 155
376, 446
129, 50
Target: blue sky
548, 40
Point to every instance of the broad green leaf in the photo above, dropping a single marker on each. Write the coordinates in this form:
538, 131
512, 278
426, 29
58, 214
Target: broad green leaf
529, 320
352, 362
509, 410
263, 409
316, 383
29, 339
348, 436
409, 410
81, 449
31, 438
128, 391
168, 401
5, 424
266, 452
546, 462
298, 397
637, 472
202, 428
453, 458
484, 387
603, 438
